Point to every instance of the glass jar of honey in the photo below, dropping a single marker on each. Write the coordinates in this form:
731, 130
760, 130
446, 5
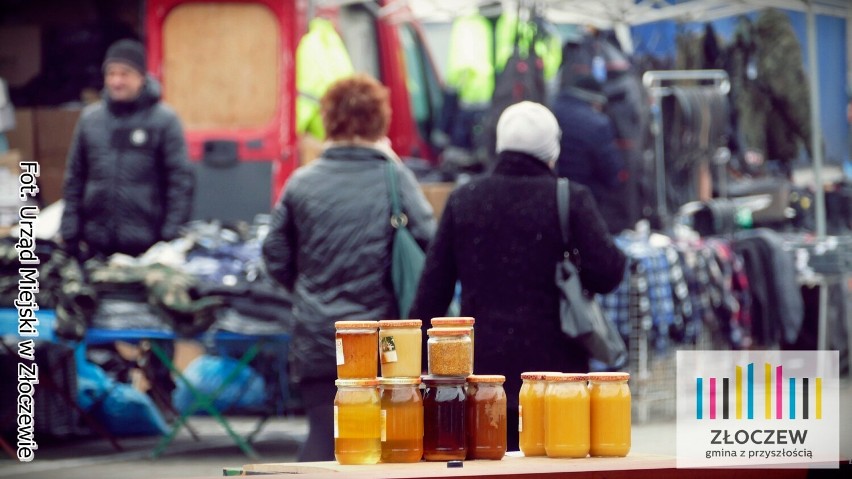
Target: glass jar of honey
457, 322
486, 417
402, 420
444, 431
531, 413
449, 352
610, 414
400, 348
357, 421
566, 415
357, 345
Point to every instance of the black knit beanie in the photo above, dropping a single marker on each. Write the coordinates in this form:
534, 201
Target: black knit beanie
129, 52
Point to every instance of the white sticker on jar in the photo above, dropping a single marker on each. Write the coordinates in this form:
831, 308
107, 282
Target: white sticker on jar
388, 348
336, 428
338, 346
384, 425
520, 418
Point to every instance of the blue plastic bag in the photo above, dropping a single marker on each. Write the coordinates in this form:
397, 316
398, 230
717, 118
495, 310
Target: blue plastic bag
206, 374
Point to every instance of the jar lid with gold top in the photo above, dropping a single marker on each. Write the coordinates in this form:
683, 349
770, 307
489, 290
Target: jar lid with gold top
609, 377
356, 324
567, 377
447, 331
537, 375
400, 323
399, 381
453, 321
356, 382
486, 378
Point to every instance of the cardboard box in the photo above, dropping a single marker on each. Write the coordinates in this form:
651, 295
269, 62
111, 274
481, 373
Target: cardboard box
22, 138
437, 194
20, 53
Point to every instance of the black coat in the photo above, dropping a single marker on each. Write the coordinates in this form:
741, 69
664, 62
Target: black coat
589, 155
128, 182
500, 237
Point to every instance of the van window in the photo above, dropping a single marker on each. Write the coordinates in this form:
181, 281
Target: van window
221, 64
358, 31
424, 88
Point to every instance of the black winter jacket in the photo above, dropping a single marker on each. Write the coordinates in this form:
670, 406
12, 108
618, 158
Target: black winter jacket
500, 237
589, 155
329, 243
128, 182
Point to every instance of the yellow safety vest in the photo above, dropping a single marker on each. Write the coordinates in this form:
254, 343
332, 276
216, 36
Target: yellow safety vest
469, 68
321, 59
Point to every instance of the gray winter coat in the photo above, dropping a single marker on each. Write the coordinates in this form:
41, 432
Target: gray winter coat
330, 245
128, 182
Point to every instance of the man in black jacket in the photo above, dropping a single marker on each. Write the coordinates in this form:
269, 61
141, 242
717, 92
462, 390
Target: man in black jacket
128, 182
588, 153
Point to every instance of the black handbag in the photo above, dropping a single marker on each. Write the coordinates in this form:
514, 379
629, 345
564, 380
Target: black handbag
581, 317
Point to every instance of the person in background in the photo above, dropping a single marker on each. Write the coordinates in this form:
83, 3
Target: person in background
128, 181
500, 236
588, 153
330, 241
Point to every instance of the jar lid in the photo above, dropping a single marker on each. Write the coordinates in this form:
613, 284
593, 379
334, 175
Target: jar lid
447, 331
444, 380
609, 377
453, 321
400, 323
568, 377
537, 375
356, 382
399, 381
486, 378
356, 324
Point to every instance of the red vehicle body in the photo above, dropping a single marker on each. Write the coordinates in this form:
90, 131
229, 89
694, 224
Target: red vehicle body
241, 169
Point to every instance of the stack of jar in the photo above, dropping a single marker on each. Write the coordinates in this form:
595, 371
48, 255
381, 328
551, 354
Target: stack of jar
464, 414
372, 423
574, 415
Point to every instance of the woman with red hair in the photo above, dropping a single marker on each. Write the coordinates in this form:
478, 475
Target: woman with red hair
330, 241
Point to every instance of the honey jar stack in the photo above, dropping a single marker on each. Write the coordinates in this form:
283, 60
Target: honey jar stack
464, 414
378, 418
385, 418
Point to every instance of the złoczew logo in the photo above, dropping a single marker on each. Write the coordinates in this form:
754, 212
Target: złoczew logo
758, 409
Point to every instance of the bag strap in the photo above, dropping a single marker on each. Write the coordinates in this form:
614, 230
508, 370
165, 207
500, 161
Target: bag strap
398, 218
562, 209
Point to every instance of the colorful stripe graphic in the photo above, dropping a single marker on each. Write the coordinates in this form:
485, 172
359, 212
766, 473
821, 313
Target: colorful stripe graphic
779, 381
739, 387
792, 398
699, 407
803, 405
767, 385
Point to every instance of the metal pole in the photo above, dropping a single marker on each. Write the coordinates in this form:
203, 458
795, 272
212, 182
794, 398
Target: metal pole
816, 124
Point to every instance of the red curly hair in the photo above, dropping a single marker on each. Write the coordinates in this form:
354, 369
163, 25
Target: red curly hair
356, 107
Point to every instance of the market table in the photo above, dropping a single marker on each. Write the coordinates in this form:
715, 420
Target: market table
634, 466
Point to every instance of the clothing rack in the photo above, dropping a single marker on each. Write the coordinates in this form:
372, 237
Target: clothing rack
656, 82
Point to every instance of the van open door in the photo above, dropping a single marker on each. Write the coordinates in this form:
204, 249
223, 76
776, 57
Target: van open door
228, 70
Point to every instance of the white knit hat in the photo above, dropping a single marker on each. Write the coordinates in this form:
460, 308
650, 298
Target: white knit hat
529, 128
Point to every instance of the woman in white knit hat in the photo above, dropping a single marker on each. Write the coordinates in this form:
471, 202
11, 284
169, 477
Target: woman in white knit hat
500, 236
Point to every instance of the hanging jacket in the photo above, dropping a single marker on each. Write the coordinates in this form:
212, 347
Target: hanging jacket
330, 244
128, 182
469, 69
321, 59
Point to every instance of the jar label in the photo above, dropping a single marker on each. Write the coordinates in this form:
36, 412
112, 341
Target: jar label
336, 429
384, 425
388, 350
520, 418
338, 346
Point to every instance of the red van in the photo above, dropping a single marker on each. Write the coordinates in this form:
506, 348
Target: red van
228, 68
